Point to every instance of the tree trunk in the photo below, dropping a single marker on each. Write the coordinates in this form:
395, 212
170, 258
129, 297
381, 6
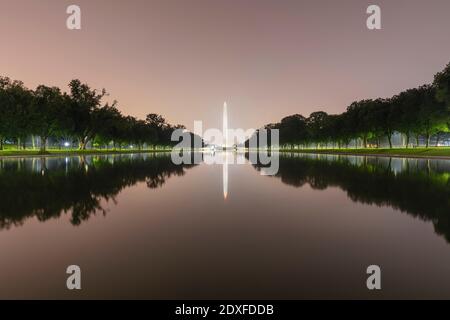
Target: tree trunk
82, 143
407, 140
43, 143
1, 143
437, 139
389, 136
365, 141
428, 140
417, 140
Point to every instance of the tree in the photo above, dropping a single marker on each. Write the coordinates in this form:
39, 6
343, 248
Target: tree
142, 133
159, 125
331, 129
315, 125
442, 85
386, 119
405, 108
432, 113
5, 83
292, 129
358, 120
110, 124
85, 105
156, 120
344, 129
47, 113
15, 100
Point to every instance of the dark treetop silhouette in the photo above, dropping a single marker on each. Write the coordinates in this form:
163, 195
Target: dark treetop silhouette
417, 114
79, 116
76, 117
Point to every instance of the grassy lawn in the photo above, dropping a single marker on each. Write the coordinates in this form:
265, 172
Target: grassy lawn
14, 152
413, 152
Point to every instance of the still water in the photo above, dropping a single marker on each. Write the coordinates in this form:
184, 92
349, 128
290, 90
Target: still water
141, 227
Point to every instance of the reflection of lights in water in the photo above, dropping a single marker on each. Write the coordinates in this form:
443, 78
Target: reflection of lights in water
225, 125
220, 158
225, 145
224, 158
225, 176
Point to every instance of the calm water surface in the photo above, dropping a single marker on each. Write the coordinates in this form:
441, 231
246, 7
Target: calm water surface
142, 227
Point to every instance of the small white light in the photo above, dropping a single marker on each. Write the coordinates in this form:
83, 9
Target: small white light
66, 144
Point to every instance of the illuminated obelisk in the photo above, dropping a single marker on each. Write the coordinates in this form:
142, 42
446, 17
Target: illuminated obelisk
225, 155
225, 126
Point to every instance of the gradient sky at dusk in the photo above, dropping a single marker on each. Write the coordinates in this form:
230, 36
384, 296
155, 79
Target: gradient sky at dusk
266, 58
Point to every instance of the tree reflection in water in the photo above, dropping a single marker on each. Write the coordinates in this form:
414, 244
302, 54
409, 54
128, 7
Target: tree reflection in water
418, 187
48, 187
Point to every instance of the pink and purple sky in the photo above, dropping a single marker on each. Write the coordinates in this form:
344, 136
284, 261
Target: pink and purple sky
266, 58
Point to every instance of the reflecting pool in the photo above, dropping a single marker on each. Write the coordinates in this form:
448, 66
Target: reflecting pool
142, 227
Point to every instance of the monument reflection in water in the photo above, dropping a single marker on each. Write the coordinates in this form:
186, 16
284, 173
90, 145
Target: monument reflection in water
141, 227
